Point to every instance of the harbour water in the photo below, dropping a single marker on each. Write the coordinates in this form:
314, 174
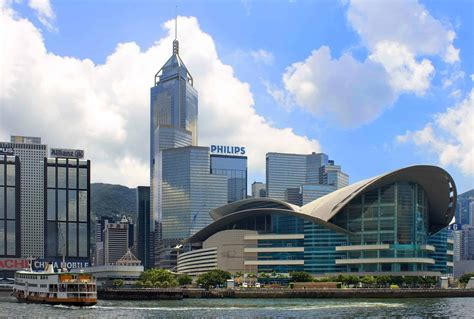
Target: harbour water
251, 308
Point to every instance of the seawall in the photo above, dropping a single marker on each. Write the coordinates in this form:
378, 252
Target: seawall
178, 294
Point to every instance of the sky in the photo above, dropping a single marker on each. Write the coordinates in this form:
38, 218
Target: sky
376, 85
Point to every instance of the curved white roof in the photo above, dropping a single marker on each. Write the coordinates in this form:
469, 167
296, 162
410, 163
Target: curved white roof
437, 183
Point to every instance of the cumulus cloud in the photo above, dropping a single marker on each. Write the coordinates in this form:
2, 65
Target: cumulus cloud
449, 135
398, 36
44, 12
104, 108
406, 22
343, 90
406, 74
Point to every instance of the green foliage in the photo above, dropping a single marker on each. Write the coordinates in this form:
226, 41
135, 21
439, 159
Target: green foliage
464, 279
159, 278
213, 278
184, 280
301, 276
118, 283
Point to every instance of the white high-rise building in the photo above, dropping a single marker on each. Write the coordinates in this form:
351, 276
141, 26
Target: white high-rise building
31, 154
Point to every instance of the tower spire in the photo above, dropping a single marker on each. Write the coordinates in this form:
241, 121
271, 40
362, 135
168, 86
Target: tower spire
175, 41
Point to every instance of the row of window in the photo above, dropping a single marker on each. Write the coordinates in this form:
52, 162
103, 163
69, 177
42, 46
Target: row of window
67, 177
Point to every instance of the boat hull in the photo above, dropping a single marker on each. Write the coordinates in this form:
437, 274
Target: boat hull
80, 302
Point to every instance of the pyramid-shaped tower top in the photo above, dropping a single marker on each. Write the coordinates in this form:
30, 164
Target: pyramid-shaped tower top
174, 67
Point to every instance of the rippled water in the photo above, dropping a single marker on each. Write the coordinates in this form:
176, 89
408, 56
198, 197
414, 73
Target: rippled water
251, 308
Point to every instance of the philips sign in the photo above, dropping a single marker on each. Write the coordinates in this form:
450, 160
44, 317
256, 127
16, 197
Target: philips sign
60, 152
228, 150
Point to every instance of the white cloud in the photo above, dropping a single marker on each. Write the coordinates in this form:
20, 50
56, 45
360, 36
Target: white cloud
406, 74
44, 12
262, 56
104, 108
405, 22
450, 136
342, 90
351, 92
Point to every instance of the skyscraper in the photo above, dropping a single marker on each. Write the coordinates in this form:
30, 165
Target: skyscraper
10, 239
173, 117
31, 154
67, 206
235, 168
259, 189
144, 227
302, 178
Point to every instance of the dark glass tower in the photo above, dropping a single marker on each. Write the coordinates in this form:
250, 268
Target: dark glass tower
144, 225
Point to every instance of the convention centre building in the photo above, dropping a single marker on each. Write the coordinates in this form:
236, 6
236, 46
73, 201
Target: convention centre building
391, 224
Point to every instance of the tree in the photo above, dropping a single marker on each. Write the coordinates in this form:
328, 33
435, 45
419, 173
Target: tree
464, 279
184, 279
118, 283
301, 276
157, 277
213, 278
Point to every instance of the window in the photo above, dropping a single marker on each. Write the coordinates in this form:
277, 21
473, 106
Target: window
51, 204
72, 206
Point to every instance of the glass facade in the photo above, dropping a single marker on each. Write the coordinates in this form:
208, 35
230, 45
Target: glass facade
291, 177
383, 230
173, 119
235, 168
144, 225
190, 192
10, 239
67, 208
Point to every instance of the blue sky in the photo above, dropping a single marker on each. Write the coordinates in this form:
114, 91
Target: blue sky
345, 57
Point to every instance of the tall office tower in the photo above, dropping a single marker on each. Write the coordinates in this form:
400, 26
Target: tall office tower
310, 192
67, 205
144, 226
100, 223
173, 118
190, 192
235, 168
10, 237
259, 189
300, 178
31, 154
331, 174
115, 241
457, 238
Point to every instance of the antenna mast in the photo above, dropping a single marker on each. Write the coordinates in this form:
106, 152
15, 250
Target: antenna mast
175, 42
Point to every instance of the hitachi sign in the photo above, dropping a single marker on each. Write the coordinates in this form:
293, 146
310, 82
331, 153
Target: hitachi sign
231, 150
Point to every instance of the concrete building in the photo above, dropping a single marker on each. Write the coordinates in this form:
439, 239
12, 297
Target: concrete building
115, 241
287, 174
31, 154
259, 190
391, 224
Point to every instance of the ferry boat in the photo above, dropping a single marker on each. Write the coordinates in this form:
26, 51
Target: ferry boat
62, 287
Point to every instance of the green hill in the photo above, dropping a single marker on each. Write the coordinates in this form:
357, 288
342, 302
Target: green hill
113, 200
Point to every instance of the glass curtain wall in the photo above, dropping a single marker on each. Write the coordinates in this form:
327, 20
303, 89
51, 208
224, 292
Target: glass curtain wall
9, 206
67, 208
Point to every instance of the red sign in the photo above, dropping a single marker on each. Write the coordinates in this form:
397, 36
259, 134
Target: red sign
13, 263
